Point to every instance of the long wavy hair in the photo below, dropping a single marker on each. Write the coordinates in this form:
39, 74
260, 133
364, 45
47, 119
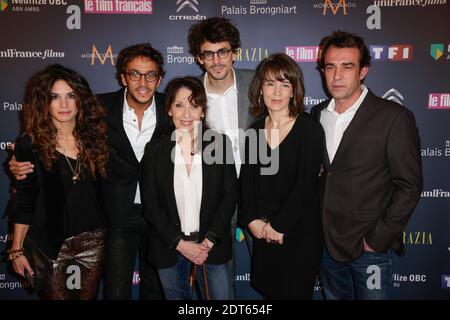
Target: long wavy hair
90, 128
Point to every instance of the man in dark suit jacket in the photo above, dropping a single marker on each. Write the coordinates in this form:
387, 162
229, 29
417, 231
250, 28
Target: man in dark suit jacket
134, 116
372, 177
214, 43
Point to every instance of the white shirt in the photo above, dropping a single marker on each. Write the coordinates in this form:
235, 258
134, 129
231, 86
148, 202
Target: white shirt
222, 116
335, 124
138, 138
188, 191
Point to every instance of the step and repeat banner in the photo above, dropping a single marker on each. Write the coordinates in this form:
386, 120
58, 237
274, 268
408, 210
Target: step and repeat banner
409, 42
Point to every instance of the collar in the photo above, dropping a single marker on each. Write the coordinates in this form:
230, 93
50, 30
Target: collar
331, 106
233, 86
127, 109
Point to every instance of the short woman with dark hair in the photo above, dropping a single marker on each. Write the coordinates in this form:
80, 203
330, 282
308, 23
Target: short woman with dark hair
189, 192
58, 236
281, 206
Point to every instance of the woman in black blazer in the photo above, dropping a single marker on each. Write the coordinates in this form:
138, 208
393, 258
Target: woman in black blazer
189, 192
58, 236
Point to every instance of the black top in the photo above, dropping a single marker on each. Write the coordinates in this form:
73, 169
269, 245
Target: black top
289, 200
51, 204
82, 208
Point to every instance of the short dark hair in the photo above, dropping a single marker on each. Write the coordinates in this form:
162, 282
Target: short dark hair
342, 39
197, 97
215, 29
281, 66
138, 50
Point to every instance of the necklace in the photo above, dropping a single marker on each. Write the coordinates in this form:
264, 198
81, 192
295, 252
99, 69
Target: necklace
76, 172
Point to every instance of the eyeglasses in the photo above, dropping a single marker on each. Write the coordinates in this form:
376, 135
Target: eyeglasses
209, 55
137, 76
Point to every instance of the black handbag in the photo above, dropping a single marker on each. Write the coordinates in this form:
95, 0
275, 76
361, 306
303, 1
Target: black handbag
41, 264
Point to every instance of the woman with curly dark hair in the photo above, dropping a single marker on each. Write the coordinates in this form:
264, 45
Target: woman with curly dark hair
58, 236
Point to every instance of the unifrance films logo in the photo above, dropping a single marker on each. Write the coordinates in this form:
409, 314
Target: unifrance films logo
408, 3
118, 6
438, 101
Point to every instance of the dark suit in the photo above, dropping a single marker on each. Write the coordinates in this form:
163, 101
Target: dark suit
218, 202
374, 182
128, 230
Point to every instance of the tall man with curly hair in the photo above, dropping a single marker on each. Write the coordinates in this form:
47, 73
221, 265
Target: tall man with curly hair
214, 43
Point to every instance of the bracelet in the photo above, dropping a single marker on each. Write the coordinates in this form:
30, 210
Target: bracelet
13, 256
15, 251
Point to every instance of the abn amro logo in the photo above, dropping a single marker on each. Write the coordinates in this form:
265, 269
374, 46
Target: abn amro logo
3, 5
437, 51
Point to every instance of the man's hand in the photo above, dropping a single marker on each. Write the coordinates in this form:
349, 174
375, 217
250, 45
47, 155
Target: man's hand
367, 247
192, 251
20, 169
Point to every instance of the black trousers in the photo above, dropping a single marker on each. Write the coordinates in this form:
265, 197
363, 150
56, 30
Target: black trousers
122, 245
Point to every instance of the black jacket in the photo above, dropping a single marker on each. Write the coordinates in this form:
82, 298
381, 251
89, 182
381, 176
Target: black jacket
219, 197
123, 168
41, 201
374, 182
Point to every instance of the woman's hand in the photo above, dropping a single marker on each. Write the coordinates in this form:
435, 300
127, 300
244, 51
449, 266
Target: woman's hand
256, 228
271, 235
21, 264
192, 251
207, 244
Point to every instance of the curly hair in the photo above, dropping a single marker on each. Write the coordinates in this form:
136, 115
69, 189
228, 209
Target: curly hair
215, 29
138, 50
90, 128
342, 39
280, 66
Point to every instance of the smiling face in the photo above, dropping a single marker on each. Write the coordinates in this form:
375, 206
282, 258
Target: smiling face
343, 74
183, 112
217, 68
276, 92
140, 93
63, 104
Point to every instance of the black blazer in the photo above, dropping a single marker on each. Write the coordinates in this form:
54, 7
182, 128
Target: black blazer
219, 197
40, 201
372, 186
123, 168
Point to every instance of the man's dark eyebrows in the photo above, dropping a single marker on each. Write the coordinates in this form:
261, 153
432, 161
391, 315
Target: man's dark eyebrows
349, 64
